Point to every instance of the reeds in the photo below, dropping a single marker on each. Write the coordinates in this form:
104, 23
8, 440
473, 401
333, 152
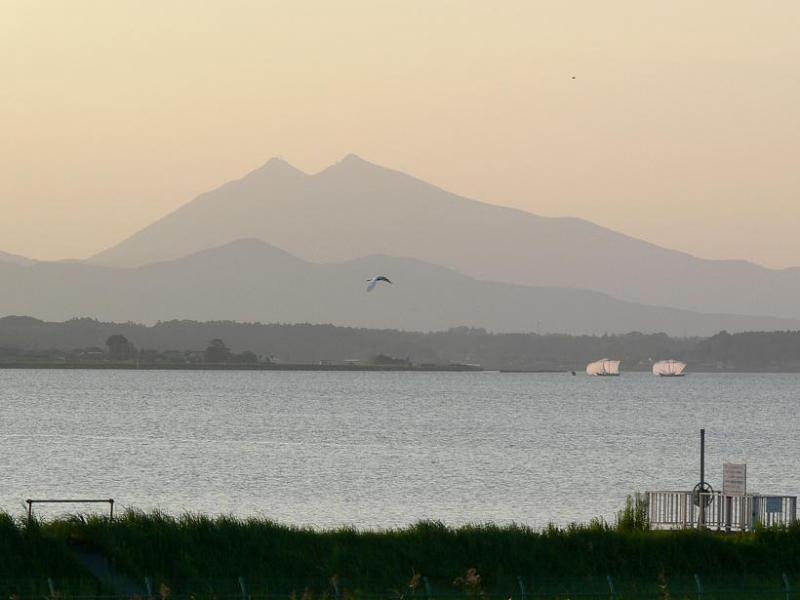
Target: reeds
204, 556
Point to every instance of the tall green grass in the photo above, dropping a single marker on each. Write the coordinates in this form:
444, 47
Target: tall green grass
29, 555
204, 556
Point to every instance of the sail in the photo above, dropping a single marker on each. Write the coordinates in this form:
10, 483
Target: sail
594, 368
669, 367
604, 366
612, 367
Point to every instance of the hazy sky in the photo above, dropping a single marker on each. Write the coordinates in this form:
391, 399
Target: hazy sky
681, 125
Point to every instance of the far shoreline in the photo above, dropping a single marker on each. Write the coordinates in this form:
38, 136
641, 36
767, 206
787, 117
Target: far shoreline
456, 368
347, 368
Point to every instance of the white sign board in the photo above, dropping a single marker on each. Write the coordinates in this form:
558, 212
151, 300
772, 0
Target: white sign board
734, 479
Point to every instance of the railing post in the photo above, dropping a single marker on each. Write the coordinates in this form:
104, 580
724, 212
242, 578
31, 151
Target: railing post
755, 516
786, 586
52, 587
687, 507
728, 511
148, 585
611, 587
699, 585
243, 588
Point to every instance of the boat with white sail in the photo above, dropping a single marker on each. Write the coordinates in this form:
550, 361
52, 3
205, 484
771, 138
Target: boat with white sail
669, 368
605, 367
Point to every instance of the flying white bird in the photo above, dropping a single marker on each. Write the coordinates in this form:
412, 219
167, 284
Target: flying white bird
371, 283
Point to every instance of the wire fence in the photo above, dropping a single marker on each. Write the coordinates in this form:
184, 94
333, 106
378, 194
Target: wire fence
779, 587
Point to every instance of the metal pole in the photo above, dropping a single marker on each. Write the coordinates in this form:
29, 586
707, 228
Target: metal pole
702, 457
701, 521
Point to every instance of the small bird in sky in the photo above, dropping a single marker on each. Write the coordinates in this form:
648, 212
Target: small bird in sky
371, 283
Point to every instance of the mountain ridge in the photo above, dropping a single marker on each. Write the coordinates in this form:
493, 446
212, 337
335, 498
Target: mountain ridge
252, 281
15, 258
356, 208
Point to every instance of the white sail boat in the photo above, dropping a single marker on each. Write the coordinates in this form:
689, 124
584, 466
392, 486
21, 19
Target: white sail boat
603, 368
669, 368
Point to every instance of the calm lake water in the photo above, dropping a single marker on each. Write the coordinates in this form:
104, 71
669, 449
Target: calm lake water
385, 449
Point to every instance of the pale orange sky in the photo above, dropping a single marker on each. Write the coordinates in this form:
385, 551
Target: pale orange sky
682, 125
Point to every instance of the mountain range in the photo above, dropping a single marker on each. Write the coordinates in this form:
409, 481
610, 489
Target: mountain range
280, 245
355, 209
248, 280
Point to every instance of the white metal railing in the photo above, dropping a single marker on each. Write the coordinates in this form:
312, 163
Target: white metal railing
679, 510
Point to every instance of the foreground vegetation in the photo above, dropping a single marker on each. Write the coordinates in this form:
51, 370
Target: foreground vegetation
205, 557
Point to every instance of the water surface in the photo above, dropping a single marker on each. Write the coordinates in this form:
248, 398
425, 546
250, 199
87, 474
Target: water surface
386, 449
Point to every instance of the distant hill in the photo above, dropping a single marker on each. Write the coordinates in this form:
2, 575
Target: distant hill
15, 259
356, 208
249, 280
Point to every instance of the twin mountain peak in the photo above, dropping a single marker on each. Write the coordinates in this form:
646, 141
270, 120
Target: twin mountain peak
356, 209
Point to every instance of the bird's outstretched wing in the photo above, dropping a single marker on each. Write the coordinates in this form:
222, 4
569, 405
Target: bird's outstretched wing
371, 283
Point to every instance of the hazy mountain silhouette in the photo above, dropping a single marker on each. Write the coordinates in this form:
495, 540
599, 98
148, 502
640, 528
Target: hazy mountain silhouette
355, 208
248, 280
15, 259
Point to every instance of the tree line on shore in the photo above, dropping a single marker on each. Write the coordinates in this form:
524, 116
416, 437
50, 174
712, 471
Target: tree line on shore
29, 339
119, 348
